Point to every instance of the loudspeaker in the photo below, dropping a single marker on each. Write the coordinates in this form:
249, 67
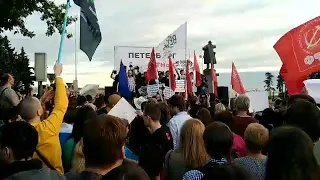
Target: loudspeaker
40, 66
223, 92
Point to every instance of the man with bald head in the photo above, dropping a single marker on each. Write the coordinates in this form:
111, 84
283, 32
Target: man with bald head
48, 149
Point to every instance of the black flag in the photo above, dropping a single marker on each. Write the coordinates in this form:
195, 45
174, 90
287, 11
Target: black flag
90, 34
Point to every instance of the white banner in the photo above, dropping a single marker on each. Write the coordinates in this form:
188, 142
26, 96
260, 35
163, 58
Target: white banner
174, 44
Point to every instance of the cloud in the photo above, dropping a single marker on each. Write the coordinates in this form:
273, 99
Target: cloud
244, 32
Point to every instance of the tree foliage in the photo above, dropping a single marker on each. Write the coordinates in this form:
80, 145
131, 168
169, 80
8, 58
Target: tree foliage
315, 75
269, 82
16, 64
280, 83
13, 18
15, 12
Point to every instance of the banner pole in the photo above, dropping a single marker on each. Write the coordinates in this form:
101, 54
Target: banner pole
63, 34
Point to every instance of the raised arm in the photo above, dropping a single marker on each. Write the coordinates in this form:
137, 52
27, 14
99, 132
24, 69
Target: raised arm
55, 119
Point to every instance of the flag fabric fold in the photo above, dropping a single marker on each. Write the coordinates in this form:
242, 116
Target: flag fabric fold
236, 81
152, 72
172, 78
188, 79
123, 86
90, 34
197, 70
214, 80
293, 86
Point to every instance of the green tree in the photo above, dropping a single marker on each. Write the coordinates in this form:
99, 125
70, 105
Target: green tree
280, 83
17, 65
269, 82
13, 16
15, 12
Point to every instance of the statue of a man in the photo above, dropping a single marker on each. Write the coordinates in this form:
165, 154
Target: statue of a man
209, 54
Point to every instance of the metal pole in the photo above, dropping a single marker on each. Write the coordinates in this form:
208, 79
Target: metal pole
75, 53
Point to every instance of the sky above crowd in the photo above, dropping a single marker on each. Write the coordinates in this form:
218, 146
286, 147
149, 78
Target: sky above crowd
243, 30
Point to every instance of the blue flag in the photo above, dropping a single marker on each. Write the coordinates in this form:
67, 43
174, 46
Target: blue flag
123, 86
90, 34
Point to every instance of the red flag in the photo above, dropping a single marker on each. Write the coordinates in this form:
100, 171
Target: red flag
152, 72
197, 70
299, 49
214, 80
188, 79
236, 81
172, 76
293, 86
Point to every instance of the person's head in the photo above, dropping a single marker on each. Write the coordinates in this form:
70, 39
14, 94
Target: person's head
225, 102
151, 114
100, 102
203, 99
103, 142
225, 117
161, 75
242, 103
18, 141
130, 73
71, 115
290, 155
11, 115
83, 114
219, 108
165, 115
7, 79
305, 115
218, 140
30, 109
81, 100
204, 116
298, 97
256, 137
182, 72
176, 104
113, 100
191, 75
191, 144
167, 73
89, 98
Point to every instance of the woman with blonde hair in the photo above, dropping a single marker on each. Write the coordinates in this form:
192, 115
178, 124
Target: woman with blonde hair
190, 154
219, 108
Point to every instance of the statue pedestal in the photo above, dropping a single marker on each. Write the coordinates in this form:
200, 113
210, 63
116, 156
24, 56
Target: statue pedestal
207, 74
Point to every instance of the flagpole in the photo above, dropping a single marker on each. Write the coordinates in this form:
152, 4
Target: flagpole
185, 80
63, 34
75, 53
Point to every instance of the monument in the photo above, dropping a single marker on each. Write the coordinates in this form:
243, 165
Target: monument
209, 55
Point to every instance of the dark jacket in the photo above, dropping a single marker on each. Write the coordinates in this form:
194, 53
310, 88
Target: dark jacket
31, 169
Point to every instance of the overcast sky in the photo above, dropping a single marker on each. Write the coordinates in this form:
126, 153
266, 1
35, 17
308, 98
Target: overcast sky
243, 30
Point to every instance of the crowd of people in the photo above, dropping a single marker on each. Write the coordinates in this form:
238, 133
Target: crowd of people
63, 137
137, 79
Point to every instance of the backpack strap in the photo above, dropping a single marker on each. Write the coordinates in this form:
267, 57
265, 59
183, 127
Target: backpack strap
44, 160
1, 94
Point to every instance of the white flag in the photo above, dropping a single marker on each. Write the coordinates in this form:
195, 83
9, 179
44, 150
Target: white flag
176, 45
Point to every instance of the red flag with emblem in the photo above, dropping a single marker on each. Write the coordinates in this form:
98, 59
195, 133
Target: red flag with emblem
172, 77
236, 83
299, 49
197, 70
152, 72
